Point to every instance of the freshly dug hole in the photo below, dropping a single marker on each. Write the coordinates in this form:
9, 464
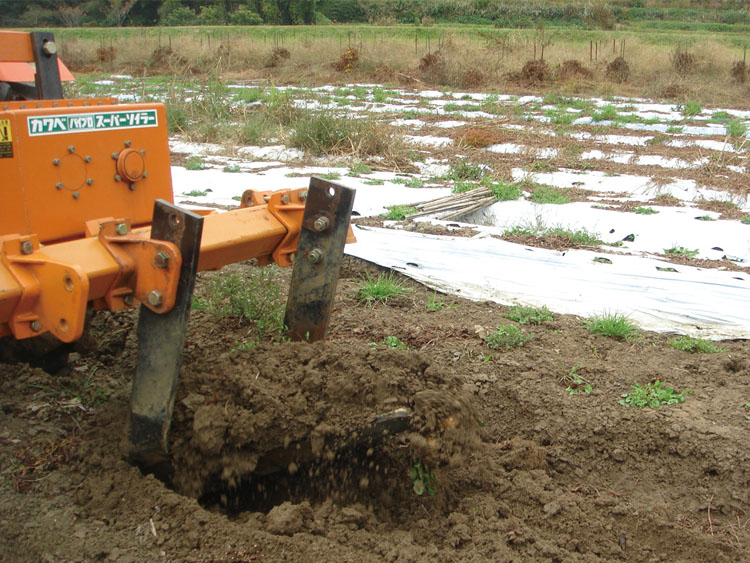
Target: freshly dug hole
292, 421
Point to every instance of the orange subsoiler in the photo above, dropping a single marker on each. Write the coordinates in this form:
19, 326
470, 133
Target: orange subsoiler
87, 220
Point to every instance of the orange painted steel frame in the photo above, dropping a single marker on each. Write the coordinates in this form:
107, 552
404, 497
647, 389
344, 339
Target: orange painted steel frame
79, 180
17, 58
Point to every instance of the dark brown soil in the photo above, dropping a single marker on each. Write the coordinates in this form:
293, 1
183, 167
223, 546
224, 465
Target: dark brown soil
525, 471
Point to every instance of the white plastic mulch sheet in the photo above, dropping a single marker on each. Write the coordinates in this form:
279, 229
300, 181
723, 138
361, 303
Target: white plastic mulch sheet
701, 302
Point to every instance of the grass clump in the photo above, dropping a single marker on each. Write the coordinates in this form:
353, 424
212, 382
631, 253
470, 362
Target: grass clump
194, 163
505, 192
196, 193
681, 251
652, 395
549, 194
254, 299
613, 325
736, 128
380, 290
695, 345
529, 315
394, 342
645, 210
399, 212
463, 170
434, 303
508, 337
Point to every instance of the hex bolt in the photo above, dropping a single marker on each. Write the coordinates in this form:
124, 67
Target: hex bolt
71, 149
115, 155
27, 247
76, 195
121, 229
87, 158
59, 185
161, 260
285, 199
127, 143
36, 326
154, 298
132, 187
49, 48
118, 178
321, 224
315, 256
128, 300
143, 152
303, 195
89, 181
56, 161
145, 174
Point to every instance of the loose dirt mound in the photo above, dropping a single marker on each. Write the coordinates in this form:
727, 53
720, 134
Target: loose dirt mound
278, 56
535, 72
572, 69
556, 477
618, 70
430, 61
738, 73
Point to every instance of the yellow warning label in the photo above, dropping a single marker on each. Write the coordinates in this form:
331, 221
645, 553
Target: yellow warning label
6, 136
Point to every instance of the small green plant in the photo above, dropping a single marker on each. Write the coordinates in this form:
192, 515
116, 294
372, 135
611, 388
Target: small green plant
613, 325
606, 113
690, 109
695, 345
681, 251
253, 298
505, 192
380, 290
705, 218
745, 220
463, 170
194, 163
196, 193
434, 303
358, 168
736, 128
393, 342
331, 176
529, 315
549, 194
674, 129
424, 480
399, 212
508, 337
574, 382
645, 210
232, 168
462, 187
652, 395
374, 182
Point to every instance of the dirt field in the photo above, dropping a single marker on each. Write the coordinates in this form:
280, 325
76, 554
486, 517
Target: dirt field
525, 471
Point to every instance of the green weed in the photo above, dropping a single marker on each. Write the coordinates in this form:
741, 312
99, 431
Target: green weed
574, 382
681, 251
393, 342
613, 325
645, 211
690, 109
461, 187
736, 128
463, 170
529, 315
331, 176
652, 395
254, 299
505, 192
695, 345
434, 303
423, 479
508, 337
358, 168
194, 163
374, 182
399, 212
380, 290
548, 194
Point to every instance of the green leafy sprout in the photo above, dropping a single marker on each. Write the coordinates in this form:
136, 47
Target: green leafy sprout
529, 315
652, 395
194, 163
695, 345
399, 212
393, 342
575, 383
681, 251
508, 337
424, 480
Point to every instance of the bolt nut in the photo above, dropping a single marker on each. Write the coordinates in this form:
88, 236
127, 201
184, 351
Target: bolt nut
128, 300
161, 260
49, 48
115, 155
59, 185
145, 174
56, 161
303, 195
128, 143
315, 256
121, 229
132, 187
118, 178
87, 158
154, 298
76, 195
27, 247
321, 224
285, 199
89, 181
36, 326
71, 149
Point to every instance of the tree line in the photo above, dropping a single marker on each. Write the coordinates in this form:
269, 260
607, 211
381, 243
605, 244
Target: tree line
506, 13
